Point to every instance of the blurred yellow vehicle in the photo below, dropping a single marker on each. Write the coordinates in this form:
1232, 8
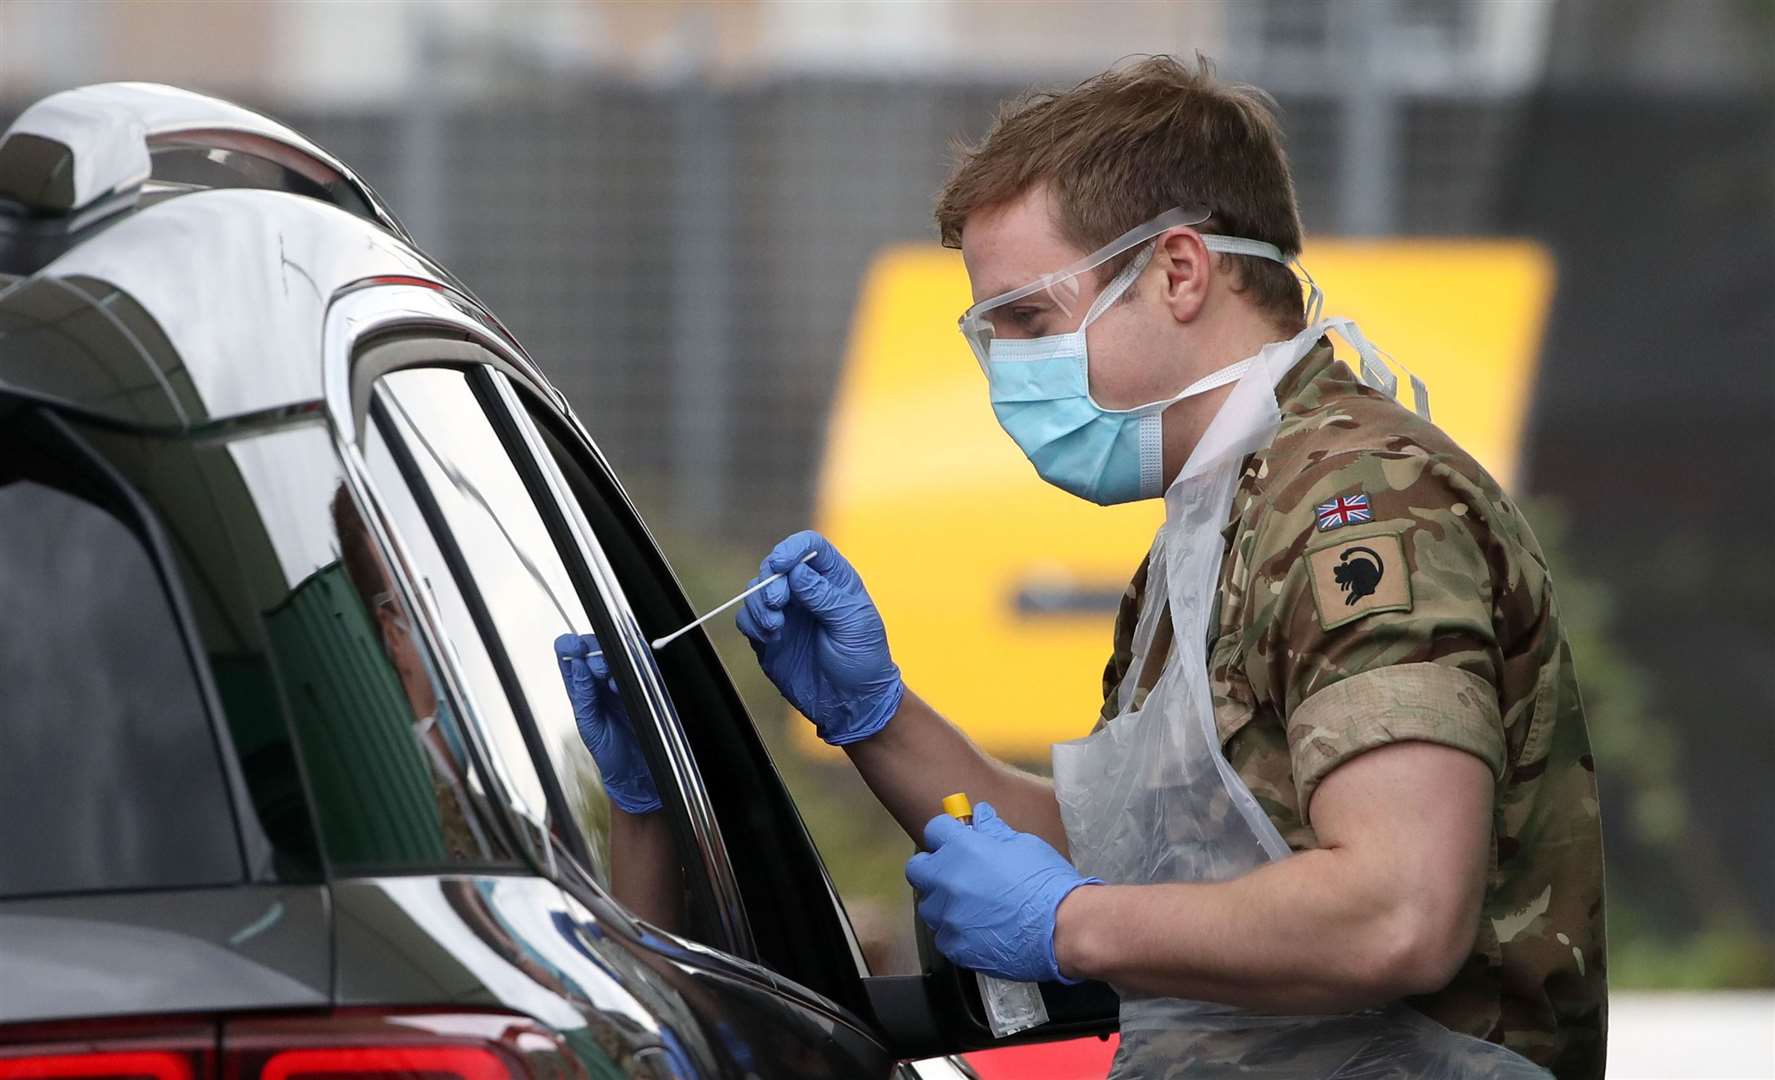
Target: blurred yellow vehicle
999, 591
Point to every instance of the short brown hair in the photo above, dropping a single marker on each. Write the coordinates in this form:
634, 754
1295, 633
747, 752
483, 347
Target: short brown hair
1125, 146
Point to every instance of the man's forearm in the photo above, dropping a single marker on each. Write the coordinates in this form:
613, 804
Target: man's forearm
1313, 933
644, 873
920, 757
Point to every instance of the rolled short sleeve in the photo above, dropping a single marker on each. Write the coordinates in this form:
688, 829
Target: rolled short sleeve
1426, 702
1373, 580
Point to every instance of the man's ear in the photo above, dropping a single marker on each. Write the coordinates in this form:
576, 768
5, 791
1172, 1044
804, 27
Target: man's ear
1188, 268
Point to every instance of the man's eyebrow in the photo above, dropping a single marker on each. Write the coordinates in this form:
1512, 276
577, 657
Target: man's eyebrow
1003, 289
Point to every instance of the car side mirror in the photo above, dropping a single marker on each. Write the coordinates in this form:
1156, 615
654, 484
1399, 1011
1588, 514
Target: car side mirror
940, 1012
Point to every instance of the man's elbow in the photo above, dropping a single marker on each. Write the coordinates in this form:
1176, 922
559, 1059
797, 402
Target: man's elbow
1422, 948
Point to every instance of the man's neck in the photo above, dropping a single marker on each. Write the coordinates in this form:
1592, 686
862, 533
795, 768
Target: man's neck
1187, 421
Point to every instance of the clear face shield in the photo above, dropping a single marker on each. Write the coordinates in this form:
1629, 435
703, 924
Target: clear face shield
1063, 302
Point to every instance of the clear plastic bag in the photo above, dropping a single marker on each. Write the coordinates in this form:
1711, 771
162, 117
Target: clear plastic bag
1011, 1006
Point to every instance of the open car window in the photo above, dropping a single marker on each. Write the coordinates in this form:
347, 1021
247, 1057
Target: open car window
514, 578
496, 569
794, 915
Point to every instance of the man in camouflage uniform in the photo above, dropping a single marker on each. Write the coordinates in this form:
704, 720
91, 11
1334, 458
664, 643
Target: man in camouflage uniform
1413, 651
1385, 664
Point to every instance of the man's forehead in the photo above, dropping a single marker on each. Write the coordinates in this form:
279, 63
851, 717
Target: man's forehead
1006, 247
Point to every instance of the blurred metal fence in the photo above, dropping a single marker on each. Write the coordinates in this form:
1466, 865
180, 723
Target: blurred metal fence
684, 259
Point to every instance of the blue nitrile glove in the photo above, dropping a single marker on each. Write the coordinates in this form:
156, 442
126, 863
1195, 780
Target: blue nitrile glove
819, 638
604, 724
990, 894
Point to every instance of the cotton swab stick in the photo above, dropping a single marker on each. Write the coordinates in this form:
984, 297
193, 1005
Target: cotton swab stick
660, 643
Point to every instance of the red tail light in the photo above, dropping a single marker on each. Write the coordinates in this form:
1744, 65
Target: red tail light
355, 1045
181, 1049
463, 1062
152, 1064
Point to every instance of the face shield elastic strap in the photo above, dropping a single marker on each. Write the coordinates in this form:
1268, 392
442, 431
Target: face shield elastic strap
1225, 245
1374, 372
1237, 245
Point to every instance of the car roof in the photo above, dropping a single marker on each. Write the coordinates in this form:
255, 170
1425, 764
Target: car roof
74, 148
222, 294
237, 284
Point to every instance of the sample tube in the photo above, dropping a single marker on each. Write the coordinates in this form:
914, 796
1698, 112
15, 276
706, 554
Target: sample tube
1010, 1006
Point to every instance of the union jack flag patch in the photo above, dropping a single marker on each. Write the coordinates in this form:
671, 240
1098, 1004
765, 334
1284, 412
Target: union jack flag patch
1341, 511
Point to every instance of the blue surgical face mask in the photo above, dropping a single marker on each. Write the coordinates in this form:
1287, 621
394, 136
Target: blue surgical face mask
1041, 393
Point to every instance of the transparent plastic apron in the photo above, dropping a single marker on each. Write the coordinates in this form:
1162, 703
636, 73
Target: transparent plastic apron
1149, 798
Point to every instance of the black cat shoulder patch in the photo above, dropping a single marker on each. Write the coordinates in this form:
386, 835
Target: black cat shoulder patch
1357, 576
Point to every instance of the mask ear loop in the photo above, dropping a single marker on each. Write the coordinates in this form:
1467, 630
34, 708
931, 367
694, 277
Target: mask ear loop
1372, 371
1315, 295
1117, 286
1420, 393
1379, 377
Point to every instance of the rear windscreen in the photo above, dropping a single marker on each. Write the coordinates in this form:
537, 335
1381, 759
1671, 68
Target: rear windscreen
109, 772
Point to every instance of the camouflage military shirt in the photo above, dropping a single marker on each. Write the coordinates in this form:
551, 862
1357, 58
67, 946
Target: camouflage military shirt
1378, 586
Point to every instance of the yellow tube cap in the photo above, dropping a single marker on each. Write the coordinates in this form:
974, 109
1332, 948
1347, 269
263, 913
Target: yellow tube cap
958, 806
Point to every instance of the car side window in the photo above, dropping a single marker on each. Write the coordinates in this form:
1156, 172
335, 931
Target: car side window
510, 570
384, 758
335, 714
109, 776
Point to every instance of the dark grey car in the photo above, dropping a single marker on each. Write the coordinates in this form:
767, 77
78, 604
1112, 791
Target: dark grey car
288, 780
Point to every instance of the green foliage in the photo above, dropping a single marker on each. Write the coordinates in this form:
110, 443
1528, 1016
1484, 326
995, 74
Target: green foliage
1716, 958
